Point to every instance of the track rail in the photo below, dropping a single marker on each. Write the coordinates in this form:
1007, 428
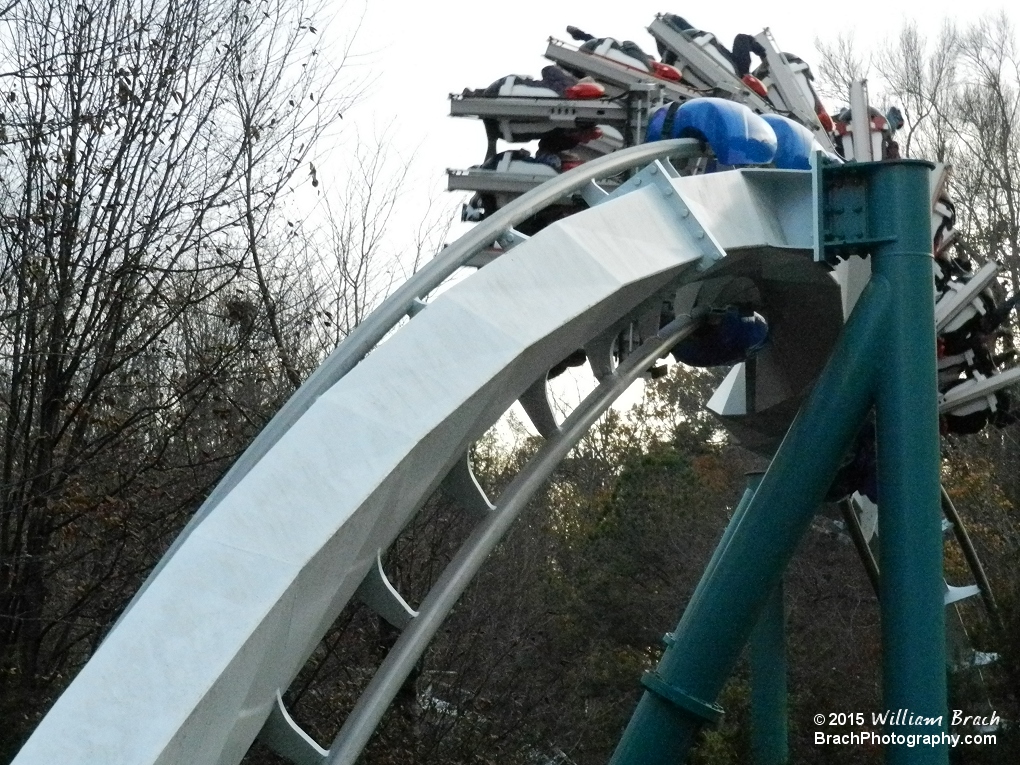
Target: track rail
436, 606
407, 299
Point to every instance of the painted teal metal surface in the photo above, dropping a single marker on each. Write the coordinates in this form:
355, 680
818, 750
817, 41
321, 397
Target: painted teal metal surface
886, 357
910, 520
769, 729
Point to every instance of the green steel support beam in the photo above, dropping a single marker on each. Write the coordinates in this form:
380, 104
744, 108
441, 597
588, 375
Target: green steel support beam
910, 519
886, 356
769, 735
757, 547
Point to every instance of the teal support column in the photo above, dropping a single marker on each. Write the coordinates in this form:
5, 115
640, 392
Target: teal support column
886, 356
769, 735
758, 545
910, 517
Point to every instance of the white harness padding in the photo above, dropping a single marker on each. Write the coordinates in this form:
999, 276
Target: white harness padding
511, 87
510, 165
606, 50
704, 41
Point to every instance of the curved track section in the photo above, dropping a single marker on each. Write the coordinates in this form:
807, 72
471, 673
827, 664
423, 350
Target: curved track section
406, 301
194, 668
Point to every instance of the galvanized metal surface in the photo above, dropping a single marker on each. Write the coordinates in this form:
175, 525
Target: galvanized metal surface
193, 670
406, 301
569, 112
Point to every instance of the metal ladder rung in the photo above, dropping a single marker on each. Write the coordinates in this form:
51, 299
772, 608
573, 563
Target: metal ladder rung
462, 486
377, 593
285, 737
535, 401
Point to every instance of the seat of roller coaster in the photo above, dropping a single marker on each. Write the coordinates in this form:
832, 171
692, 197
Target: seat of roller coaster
949, 264
611, 140
700, 37
729, 336
944, 234
966, 349
518, 161
484, 204
797, 65
979, 325
564, 139
803, 76
548, 131
879, 122
737, 60
992, 410
555, 83
560, 161
628, 53
736, 135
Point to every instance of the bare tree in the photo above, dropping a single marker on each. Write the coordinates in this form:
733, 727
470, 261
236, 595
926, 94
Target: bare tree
921, 78
960, 98
284, 104
352, 249
841, 64
146, 150
986, 129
